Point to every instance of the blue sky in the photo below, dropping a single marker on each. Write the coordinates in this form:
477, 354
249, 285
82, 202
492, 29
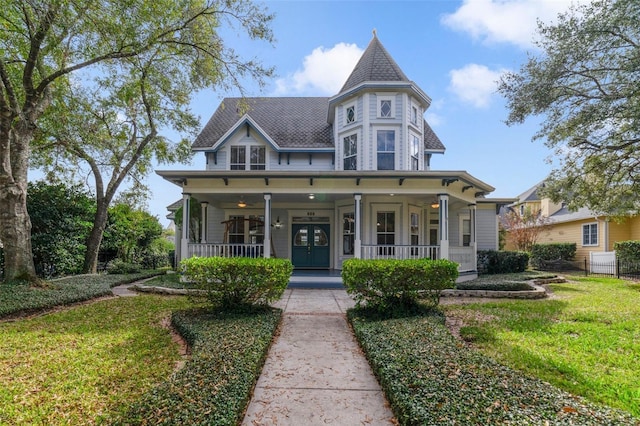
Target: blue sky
454, 50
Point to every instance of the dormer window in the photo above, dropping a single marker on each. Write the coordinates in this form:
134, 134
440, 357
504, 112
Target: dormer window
350, 114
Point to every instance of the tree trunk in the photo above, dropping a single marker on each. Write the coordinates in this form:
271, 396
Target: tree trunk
95, 237
15, 232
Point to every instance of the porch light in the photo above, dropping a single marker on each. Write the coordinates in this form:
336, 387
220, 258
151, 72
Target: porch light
242, 204
312, 196
435, 205
278, 224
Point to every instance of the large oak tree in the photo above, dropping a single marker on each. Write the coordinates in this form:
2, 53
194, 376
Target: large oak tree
51, 50
585, 84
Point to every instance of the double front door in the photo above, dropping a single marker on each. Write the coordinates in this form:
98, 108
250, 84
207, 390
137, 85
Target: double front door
310, 246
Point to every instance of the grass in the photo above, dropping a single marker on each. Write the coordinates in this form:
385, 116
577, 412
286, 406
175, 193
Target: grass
585, 340
80, 365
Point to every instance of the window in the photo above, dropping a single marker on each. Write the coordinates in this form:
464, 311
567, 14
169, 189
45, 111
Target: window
386, 105
415, 229
466, 232
415, 152
386, 233
350, 114
385, 108
350, 161
256, 229
236, 230
348, 233
257, 155
257, 158
238, 158
414, 115
386, 149
590, 234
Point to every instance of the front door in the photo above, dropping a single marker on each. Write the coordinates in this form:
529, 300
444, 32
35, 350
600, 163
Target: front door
310, 246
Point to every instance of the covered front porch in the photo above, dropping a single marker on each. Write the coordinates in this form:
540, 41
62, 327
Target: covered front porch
319, 220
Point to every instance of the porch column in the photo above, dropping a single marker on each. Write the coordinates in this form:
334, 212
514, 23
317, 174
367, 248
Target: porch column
184, 242
472, 223
203, 226
267, 225
357, 241
443, 225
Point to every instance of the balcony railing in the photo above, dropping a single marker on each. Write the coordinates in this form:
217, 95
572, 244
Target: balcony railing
226, 250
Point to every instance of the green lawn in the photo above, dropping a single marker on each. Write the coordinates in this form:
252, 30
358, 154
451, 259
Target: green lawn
585, 340
76, 365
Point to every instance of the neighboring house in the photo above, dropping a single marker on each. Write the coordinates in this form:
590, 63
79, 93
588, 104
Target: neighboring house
591, 232
334, 178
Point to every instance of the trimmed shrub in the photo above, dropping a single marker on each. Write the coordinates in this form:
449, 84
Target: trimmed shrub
390, 283
496, 286
214, 387
502, 262
543, 253
118, 266
627, 251
237, 281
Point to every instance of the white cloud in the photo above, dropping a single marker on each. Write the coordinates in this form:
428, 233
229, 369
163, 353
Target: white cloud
474, 84
505, 21
323, 72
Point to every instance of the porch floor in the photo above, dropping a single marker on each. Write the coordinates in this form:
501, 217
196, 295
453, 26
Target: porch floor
316, 278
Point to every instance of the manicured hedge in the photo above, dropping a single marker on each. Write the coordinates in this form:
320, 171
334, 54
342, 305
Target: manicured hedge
215, 385
497, 286
502, 262
431, 379
20, 298
627, 251
237, 281
388, 283
542, 253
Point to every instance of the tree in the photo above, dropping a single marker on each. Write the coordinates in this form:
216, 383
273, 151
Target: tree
170, 47
523, 229
130, 233
586, 85
61, 218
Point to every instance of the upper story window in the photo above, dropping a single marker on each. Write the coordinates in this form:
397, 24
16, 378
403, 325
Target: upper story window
386, 107
590, 234
415, 152
350, 161
386, 141
414, 115
256, 160
350, 114
238, 158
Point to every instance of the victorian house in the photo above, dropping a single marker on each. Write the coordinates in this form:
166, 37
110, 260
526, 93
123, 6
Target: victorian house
319, 180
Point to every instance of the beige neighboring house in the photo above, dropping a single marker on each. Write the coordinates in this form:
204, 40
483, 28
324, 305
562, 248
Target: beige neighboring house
319, 180
592, 233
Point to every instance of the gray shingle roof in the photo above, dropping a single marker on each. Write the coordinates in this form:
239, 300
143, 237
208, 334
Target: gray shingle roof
431, 140
289, 121
376, 64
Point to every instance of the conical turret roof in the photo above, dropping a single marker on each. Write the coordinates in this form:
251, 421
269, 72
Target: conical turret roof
376, 64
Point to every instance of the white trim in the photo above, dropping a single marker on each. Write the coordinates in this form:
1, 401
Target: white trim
591, 244
391, 97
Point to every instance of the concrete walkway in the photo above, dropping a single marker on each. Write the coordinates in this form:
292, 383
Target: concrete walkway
315, 372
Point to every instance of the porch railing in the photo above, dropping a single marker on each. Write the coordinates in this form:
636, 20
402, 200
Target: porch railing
400, 252
226, 250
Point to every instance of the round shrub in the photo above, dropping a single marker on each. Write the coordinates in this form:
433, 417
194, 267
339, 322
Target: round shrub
231, 282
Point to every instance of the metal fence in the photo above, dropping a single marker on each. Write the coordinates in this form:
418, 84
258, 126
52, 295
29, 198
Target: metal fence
614, 268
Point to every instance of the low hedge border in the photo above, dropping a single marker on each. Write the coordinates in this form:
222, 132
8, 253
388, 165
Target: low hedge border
214, 387
20, 299
430, 378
